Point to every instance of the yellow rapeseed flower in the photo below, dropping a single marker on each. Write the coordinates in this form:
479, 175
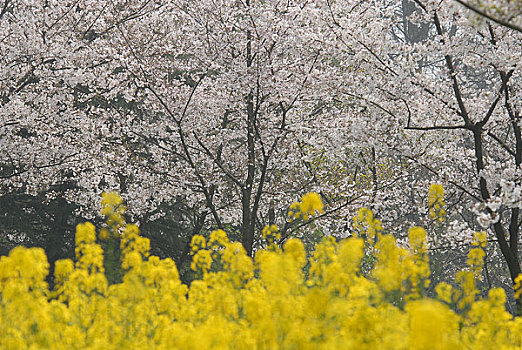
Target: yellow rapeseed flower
436, 203
310, 204
278, 300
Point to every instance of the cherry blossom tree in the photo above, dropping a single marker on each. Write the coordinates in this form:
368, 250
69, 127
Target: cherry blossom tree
195, 100
454, 96
236, 108
506, 13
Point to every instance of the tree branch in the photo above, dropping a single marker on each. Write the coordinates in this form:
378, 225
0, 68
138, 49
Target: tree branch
494, 137
484, 14
441, 127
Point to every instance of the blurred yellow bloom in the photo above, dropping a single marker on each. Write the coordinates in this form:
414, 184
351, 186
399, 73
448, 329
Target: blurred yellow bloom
218, 237
436, 203
444, 292
310, 204
366, 226
480, 239
271, 233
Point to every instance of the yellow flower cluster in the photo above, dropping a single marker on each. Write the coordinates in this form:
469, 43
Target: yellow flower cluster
113, 210
476, 254
366, 226
436, 203
271, 234
274, 301
402, 273
310, 204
